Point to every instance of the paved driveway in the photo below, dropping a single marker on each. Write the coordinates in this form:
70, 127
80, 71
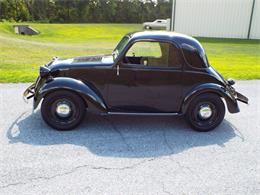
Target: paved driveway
128, 155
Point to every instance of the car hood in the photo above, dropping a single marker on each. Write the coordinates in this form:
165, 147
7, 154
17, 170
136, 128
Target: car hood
102, 60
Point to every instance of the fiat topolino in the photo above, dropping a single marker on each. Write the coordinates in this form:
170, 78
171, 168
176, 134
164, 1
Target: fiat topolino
148, 73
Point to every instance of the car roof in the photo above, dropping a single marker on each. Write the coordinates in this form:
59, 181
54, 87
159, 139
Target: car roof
167, 36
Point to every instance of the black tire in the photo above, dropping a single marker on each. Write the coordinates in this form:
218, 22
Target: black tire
204, 121
147, 27
55, 118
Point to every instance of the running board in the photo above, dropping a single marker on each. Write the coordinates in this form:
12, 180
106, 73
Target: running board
144, 113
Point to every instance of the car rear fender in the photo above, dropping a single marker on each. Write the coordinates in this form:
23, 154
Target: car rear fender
84, 90
231, 101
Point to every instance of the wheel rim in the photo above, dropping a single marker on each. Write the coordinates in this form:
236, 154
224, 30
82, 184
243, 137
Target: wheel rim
205, 111
205, 114
63, 111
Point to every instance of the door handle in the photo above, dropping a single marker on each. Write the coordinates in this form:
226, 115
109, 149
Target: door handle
117, 70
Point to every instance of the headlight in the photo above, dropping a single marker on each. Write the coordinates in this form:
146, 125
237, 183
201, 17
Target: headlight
44, 71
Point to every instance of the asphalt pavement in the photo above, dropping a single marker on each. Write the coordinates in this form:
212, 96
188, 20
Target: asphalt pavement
128, 154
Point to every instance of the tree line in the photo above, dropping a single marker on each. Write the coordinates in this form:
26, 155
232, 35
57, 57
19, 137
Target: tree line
84, 11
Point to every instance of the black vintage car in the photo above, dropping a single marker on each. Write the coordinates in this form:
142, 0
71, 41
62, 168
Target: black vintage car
148, 73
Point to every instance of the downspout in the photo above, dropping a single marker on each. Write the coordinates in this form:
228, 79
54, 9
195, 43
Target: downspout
251, 18
173, 15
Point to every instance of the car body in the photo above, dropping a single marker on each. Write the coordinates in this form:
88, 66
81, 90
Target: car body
148, 73
159, 24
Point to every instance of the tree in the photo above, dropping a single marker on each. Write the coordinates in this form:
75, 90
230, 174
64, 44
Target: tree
78, 11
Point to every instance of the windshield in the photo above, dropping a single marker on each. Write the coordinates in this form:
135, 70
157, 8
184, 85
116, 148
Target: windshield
121, 45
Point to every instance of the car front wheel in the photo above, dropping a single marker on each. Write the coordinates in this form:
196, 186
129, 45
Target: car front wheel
205, 112
63, 110
147, 27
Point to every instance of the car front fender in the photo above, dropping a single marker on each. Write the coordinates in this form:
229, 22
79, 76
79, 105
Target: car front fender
85, 91
222, 91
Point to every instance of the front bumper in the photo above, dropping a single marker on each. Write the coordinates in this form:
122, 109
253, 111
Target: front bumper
29, 93
33, 92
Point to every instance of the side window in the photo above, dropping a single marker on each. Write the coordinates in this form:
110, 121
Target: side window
145, 49
192, 56
154, 54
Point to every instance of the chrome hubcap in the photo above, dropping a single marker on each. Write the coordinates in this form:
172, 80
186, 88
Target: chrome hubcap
205, 112
63, 110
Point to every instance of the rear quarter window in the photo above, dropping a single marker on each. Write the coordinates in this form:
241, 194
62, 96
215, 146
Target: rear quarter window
192, 56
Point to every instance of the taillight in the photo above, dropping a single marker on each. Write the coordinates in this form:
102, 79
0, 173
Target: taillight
230, 82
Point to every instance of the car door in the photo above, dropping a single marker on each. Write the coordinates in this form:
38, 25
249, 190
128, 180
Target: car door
149, 80
157, 24
120, 88
160, 24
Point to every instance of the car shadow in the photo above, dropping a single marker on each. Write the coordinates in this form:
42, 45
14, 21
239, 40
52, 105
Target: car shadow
121, 136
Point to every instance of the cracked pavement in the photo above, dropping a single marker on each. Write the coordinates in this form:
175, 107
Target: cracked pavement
128, 154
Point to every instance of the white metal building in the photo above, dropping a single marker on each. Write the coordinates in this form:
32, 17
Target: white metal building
217, 18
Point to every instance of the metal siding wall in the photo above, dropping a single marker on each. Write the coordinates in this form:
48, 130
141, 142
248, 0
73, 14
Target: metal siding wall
213, 18
255, 28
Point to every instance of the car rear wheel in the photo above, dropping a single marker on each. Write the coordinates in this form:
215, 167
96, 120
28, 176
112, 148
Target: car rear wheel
63, 110
205, 112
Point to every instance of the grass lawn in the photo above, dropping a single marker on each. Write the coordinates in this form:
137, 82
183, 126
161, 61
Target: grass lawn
21, 56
